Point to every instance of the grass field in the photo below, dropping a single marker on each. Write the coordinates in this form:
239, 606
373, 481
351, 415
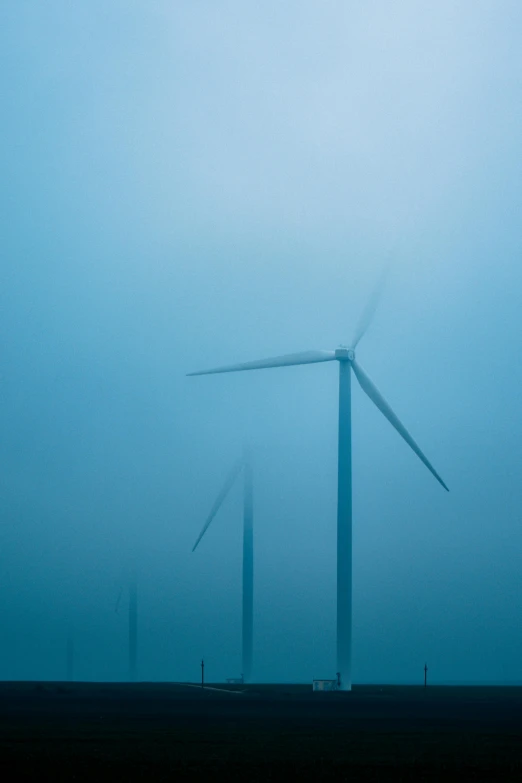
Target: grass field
260, 732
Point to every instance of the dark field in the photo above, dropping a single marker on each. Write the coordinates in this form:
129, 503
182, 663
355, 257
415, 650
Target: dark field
166, 732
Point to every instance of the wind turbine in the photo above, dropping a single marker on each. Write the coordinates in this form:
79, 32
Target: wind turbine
347, 363
248, 551
133, 624
133, 621
70, 654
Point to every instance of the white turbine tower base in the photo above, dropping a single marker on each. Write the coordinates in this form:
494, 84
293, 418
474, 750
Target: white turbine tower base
347, 362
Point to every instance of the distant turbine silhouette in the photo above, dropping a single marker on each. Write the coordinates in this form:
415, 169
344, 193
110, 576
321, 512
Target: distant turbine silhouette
347, 362
70, 654
248, 551
133, 625
132, 620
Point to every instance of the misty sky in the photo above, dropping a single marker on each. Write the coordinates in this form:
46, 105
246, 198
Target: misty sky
188, 184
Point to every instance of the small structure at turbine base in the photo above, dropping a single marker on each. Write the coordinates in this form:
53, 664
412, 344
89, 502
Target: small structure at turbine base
325, 685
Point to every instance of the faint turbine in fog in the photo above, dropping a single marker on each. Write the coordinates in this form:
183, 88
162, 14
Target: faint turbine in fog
248, 551
70, 654
347, 362
133, 621
133, 624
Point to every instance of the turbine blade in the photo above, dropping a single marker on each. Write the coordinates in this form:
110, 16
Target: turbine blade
368, 313
376, 397
220, 498
307, 357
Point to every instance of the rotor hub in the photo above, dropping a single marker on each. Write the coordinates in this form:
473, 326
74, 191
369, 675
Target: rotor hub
345, 354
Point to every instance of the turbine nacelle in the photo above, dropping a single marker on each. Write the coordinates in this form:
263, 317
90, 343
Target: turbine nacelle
343, 354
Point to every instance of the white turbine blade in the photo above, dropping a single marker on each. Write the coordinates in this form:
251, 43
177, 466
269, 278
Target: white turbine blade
376, 397
220, 498
307, 357
369, 311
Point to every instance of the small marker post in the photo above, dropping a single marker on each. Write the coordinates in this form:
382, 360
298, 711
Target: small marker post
202, 673
425, 675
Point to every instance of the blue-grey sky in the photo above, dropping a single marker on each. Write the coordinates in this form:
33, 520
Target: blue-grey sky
189, 184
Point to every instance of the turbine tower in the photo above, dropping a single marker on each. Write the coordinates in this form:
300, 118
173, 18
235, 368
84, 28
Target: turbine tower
347, 363
248, 551
70, 654
133, 624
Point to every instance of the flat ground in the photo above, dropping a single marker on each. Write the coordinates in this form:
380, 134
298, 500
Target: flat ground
165, 731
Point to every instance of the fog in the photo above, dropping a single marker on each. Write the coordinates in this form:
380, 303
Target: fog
193, 184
